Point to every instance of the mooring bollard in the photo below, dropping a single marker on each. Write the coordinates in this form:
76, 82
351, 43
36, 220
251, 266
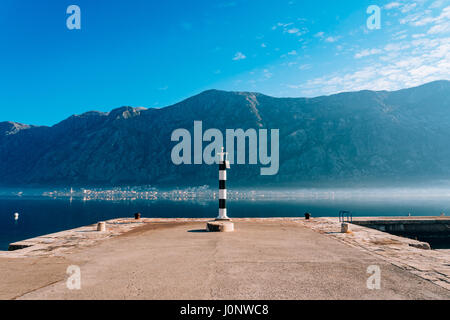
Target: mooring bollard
137, 216
307, 215
345, 228
101, 226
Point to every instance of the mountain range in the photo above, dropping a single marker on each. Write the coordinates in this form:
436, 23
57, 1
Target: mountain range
383, 137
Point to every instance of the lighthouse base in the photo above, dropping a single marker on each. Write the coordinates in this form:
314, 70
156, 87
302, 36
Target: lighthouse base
220, 226
222, 219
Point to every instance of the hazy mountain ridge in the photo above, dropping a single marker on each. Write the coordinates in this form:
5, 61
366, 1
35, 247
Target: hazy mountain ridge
356, 136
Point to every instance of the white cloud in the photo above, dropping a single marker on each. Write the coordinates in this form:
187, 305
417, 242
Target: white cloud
392, 5
427, 60
443, 27
290, 28
400, 35
442, 22
367, 52
319, 34
281, 24
398, 46
239, 56
412, 54
408, 7
437, 4
292, 53
267, 74
304, 67
332, 39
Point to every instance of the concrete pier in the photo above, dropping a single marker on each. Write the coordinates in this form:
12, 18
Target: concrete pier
284, 258
434, 230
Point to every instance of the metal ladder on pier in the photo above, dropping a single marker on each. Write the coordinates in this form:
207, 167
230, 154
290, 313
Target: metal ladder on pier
345, 216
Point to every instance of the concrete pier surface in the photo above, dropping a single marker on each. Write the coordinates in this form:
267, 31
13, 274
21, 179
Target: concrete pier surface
284, 258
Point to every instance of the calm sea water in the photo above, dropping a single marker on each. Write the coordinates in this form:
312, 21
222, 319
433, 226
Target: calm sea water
40, 216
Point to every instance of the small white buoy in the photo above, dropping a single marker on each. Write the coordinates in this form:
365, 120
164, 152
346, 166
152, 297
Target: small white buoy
16, 216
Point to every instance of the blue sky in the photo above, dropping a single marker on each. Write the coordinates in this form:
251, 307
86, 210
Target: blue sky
156, 53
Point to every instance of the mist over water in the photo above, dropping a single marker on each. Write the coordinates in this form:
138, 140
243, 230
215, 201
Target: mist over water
40, 215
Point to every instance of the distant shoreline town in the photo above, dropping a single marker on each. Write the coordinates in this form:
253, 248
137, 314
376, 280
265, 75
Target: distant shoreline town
205, 193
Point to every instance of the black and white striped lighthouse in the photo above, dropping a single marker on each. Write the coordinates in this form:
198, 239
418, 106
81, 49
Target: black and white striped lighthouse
224, 164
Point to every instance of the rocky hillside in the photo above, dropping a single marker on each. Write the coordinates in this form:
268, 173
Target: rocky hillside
356, 137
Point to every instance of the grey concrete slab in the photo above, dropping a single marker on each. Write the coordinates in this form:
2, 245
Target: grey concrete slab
271, 259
